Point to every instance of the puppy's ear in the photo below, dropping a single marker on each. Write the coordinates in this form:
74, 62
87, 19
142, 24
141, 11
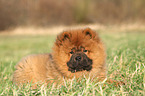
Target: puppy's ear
92, 34
89, 32
62, 37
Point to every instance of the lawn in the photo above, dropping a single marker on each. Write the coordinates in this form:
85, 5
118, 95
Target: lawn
125, 61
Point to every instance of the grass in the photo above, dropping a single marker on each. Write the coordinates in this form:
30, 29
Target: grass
125, 61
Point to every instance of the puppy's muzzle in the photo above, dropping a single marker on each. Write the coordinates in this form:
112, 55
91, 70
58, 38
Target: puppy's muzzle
79, 62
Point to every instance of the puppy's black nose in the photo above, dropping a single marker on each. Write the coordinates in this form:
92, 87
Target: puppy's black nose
78, 58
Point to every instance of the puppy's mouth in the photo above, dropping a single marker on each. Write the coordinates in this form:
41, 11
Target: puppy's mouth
79, 62
73, 70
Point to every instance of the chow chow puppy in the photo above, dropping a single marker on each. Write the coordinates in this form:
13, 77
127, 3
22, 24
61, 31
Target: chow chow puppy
75, 53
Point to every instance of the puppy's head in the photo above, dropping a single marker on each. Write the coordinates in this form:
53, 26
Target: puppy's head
76, 50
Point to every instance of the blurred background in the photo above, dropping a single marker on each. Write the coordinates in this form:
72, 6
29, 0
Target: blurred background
48, 13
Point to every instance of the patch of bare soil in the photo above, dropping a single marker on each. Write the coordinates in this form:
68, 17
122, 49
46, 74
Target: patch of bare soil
57, 29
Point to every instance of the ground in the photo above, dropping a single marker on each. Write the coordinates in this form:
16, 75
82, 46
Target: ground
125, 61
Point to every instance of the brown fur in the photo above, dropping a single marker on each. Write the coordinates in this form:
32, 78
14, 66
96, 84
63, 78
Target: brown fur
52, 67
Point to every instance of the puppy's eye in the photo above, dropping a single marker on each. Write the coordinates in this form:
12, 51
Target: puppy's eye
85, 50
71, 52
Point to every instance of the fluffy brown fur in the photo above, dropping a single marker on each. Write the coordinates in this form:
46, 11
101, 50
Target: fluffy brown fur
54, 67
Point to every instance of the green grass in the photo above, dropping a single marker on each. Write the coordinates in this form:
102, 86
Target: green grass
125, 61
